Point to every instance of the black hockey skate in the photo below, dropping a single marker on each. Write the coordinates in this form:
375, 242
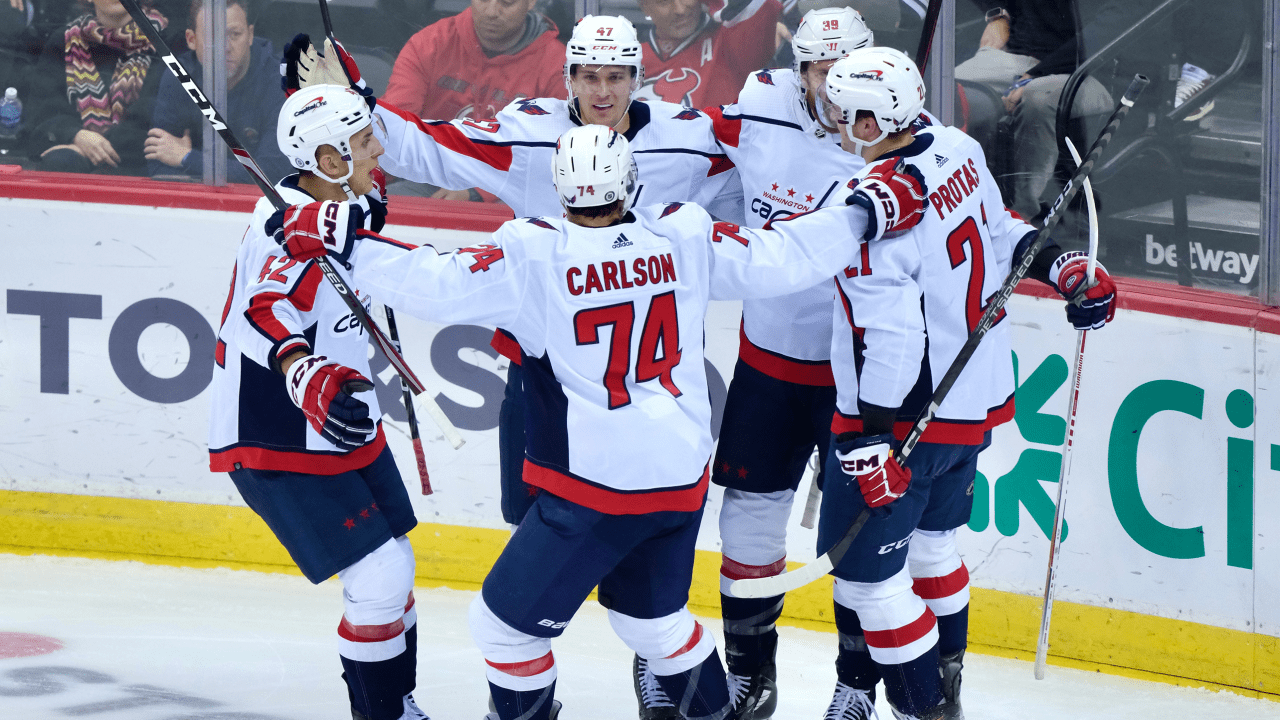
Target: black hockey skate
850, 704
654, 703
951, 665
755, 697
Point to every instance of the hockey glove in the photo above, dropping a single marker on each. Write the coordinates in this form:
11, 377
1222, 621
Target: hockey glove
302, 66
317, 228
323, 390
893, 194
869, 460
1089, 307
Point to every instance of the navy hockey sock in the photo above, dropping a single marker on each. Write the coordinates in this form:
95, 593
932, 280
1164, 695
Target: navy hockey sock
410, 666
854, 666
523, 704
699, 693
915, 686
750, 636
953, 632
377, 689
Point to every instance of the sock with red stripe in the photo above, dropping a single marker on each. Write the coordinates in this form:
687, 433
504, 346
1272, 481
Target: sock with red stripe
377, 689
854, 666
750, 633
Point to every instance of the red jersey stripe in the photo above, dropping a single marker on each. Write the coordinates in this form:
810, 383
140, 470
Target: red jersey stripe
506, 345
450, 137
309, 463
302, 297
727, 131
941, 432
613, 502
780, 367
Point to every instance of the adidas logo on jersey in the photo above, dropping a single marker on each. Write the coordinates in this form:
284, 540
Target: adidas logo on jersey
941, 160
621, 242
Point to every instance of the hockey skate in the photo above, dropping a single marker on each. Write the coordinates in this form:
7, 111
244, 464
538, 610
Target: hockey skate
493, 715
654, 703
951, 665
755, 698
411, 710
850, 704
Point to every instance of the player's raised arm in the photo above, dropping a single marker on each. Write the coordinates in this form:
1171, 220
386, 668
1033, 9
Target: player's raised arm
803, 250
470, 285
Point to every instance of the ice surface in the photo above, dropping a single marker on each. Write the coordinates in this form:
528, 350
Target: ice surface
147, 642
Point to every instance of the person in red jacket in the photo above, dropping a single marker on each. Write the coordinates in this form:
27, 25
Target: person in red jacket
476, 62
700, 51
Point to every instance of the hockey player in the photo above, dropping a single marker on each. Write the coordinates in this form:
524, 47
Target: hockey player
903, 311
608, 306
510, 156
294, 418
783, 394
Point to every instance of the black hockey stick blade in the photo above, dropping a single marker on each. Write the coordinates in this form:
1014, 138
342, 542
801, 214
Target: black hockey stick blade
242, 155
788, 581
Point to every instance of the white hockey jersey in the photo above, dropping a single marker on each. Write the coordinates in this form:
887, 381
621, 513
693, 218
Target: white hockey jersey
906, 307
675, 151
787, 164
276, 306
610, 321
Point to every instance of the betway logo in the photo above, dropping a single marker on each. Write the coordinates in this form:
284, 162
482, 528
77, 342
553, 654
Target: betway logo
1226, 262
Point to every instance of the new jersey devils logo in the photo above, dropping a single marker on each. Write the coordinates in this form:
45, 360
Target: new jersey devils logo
675, 85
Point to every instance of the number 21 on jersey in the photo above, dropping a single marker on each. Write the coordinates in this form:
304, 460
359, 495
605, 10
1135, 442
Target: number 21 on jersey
661, 332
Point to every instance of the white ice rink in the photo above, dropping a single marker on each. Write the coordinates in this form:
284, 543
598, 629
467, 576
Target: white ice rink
142, 642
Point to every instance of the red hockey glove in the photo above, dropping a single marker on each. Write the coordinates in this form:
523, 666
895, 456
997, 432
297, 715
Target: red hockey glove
303, 66
317, 228
1089, 307
893, 194
323, 390
869, 459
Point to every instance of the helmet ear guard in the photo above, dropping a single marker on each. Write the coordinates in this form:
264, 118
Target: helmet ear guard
323, 115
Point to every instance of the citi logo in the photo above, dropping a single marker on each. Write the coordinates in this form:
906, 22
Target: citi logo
886, 549
317, 103
552, 625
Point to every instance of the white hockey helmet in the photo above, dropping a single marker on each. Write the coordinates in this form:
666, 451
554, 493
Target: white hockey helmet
882, 81
592, 166
321, 115
604, 40
827, 34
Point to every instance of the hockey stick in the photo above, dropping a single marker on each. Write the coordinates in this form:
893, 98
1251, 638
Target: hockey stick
216, 120
815, 495
410, 413
788, 581
1073, 399
926, 35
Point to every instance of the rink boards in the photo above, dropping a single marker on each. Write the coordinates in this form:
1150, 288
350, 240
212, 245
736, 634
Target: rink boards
106, 351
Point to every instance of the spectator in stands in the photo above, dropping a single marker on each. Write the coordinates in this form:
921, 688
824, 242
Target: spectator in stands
1027, 52
174, 144
95, 89
475, 63
700, 59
